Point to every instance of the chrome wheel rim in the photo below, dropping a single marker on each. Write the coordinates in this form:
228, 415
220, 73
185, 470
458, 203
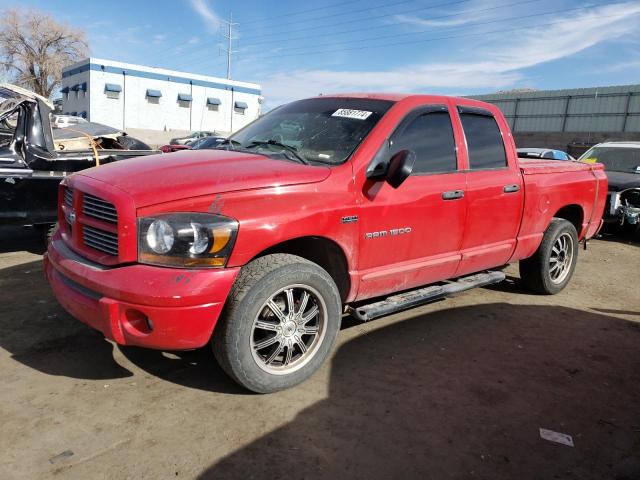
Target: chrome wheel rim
288, 329
561, 258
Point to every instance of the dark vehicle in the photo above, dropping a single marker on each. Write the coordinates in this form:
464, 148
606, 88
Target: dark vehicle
203, 143
621, 161
33, 160
207, 143
190, 138
546, 153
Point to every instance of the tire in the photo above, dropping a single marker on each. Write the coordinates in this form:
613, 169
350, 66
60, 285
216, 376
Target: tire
247, 322
47, 232
548, 271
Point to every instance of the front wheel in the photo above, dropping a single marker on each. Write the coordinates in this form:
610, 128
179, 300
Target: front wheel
279, 324
549, 270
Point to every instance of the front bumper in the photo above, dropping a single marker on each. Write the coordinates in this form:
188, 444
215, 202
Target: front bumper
148, 306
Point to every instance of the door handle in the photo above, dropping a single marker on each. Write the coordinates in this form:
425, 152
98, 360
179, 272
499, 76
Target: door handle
511, 188
452, 194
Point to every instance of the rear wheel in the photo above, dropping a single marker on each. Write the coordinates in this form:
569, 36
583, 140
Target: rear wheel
551, 267
280, 322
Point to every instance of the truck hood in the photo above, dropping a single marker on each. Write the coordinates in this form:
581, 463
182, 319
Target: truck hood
619, 181
155, 179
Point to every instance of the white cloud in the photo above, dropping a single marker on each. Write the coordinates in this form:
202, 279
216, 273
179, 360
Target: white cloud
194, 41
631, 65
159, 38
425, 22
500, 66
474, 11
206, 13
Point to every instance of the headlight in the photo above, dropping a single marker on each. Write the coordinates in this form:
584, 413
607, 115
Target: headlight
186, 239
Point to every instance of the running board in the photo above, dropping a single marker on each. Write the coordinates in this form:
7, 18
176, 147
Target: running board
414, 298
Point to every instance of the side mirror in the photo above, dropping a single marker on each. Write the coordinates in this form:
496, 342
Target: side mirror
400, 167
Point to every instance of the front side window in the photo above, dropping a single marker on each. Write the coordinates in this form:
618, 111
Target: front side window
430, 136
321, 130
484, 141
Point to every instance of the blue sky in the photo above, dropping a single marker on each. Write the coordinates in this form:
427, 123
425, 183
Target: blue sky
296, 49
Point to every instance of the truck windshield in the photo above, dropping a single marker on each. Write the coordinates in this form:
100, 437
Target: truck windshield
615, 159
318, 130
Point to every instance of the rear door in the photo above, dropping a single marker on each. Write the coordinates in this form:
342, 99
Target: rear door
493, 191
411, 235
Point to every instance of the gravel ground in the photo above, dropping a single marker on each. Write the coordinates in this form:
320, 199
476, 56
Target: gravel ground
455, 389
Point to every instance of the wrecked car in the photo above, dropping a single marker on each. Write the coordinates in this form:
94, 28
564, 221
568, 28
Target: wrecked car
622, 164
33, 159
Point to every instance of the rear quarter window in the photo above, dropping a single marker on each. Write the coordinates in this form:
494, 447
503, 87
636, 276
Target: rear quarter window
484, 141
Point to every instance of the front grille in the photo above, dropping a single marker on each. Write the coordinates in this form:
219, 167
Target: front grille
102, 240
68, 197
100, 209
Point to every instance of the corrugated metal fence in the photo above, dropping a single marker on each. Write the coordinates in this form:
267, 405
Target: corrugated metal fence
598, 109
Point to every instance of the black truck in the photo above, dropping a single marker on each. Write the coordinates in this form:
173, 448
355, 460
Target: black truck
34, 158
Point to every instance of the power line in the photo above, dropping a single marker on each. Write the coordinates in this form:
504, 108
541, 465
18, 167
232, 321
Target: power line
300, 12
340, 14
177, 50
466, 26
447, 37
368, 28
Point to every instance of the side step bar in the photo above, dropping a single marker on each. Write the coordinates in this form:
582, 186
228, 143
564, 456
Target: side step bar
414, 298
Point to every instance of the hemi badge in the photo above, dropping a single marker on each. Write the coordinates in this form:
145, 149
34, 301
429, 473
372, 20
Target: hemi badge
349, 219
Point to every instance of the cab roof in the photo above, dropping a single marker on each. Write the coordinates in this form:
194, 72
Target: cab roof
393, 97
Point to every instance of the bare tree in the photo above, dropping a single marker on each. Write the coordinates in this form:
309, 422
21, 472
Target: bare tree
34, 49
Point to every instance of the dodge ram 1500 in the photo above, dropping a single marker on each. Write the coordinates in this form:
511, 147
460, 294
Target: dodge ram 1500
360, 203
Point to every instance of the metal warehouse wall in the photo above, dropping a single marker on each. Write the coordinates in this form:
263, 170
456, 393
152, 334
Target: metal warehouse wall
586, 110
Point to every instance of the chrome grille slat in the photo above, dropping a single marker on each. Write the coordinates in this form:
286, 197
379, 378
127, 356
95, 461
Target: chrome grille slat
98, 208
100, 240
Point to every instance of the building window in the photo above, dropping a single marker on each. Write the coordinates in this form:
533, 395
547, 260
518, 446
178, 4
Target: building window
112, 90
65, 93
153, 96
184, 100
240, 107
213, 104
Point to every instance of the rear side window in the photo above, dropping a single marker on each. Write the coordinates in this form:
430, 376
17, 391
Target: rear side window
430, 136
484, 142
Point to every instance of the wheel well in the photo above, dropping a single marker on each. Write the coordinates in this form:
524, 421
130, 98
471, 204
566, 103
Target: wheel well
321, 251
573, 214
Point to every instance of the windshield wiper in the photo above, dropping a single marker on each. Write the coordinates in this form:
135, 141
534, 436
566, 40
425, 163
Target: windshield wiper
288, 148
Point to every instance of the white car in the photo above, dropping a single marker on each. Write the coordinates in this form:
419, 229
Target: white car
63, 121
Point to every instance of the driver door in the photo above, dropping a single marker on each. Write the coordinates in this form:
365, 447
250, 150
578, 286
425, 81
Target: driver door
411, 236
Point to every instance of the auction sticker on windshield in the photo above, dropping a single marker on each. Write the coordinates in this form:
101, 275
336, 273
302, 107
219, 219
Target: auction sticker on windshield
349, 113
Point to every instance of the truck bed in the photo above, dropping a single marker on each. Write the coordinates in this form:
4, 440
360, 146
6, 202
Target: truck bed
574, 189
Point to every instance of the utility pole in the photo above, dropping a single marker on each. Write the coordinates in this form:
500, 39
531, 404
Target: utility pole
229, 36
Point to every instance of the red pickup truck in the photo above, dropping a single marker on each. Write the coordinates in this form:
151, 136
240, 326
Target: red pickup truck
358, 203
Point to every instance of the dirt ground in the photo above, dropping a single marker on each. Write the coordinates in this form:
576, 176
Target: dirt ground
457, 389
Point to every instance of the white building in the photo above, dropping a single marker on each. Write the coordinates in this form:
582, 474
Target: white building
124, 95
